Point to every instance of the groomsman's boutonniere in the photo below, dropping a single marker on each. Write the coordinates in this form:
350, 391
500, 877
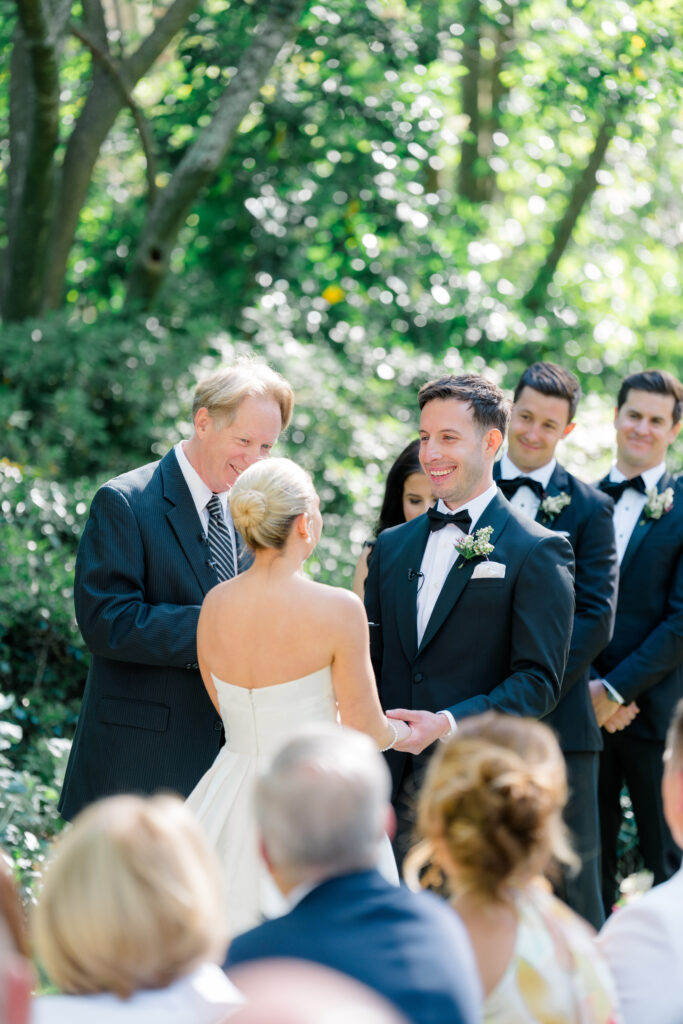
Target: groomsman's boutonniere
656, 504
475, 545
552, 505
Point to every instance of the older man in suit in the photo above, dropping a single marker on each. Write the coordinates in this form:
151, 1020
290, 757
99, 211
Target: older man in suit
471, 606
545, 401
643, 942
157, 539
322, 808
643, 663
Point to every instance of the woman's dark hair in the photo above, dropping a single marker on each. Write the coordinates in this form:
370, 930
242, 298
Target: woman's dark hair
408, 462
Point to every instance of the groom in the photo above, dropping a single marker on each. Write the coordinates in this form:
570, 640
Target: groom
157, 539
457, 627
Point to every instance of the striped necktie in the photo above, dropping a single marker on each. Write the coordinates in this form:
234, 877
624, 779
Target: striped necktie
220, 541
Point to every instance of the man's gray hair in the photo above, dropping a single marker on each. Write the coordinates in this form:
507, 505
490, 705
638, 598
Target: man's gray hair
322, 805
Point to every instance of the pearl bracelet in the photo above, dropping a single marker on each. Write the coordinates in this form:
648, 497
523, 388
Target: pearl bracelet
394, 739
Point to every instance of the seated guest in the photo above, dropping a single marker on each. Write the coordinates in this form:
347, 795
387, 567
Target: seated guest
129, 924
643, 942
286, 991
322, 808
491, 813
408, 494
16, 975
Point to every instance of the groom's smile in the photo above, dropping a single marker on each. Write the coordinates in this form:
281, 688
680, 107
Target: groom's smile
455, 452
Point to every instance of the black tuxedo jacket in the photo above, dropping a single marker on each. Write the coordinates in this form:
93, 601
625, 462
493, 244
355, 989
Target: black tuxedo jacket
644, 659
142, 572
588, 526
409, 947
491, 643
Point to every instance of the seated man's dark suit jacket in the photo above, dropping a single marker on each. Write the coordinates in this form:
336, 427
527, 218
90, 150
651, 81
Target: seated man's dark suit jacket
644, 662
491, 643
409, 947
142, 571
588, 525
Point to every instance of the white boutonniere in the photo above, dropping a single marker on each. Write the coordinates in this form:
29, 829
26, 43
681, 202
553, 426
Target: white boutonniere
656, 504
475, 545
552, 505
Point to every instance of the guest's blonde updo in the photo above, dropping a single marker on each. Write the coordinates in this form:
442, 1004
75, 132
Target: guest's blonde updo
266, 499
491, 806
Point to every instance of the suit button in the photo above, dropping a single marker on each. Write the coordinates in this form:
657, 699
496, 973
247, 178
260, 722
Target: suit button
418, 677
191, 665
217, 725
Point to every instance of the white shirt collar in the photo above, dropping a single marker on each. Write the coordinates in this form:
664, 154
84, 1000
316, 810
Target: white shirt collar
651, 477
508, 471
475, 507
201, 492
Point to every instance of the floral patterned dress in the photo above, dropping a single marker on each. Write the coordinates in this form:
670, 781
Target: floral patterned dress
556, 975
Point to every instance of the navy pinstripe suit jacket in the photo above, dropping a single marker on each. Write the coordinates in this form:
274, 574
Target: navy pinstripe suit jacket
142, 572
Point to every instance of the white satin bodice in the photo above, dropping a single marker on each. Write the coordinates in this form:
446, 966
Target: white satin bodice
259, 721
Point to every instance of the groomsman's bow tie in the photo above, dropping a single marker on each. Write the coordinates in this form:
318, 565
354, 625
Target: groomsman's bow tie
615, 490
510, 487
437, 520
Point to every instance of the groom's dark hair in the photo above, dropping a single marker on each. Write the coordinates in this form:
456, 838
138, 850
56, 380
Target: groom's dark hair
551, 379
490, 408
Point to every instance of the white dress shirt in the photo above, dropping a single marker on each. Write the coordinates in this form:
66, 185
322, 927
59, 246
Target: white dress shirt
630, 505
202, 494
439, 557
643, 945
524, 500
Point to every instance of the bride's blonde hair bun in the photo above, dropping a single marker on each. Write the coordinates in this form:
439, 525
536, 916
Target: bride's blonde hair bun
248, 509
266, 499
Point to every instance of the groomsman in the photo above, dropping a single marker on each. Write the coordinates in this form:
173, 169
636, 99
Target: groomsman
529, 476
157, 539
643, 663
458, 599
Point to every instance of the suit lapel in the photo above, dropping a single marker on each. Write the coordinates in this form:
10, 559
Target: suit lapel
641, 529
496, 515
406, 603
183, 519
559, 481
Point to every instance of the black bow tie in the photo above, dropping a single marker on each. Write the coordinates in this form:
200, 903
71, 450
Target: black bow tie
437, 520
510, 487
615, 490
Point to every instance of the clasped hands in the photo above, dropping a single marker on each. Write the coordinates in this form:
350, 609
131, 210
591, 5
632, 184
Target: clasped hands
425, 727
610, 716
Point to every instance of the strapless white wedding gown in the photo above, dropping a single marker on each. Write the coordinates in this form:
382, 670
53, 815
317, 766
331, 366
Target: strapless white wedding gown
257, 725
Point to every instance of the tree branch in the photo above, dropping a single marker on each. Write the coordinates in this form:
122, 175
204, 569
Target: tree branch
204, 157
584, 187
143, 128
92, 127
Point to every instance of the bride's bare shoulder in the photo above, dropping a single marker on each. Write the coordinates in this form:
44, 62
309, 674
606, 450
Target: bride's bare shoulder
336, 598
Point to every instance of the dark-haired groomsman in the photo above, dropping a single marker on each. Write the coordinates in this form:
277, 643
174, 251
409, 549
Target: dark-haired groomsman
643, 663
530, 477
459, 597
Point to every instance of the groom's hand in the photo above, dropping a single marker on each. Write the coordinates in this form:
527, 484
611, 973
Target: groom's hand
425, 728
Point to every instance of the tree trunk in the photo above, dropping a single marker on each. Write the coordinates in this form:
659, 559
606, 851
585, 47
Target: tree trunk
583, 189
469, 148
205, 155
92, 127
32, 177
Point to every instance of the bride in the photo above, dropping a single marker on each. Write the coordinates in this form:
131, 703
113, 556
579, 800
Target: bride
277, 652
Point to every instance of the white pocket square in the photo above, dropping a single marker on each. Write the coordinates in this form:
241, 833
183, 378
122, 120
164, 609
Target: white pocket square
488, 571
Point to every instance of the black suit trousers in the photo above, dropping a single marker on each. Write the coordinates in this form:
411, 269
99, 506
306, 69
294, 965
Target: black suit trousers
582, 890
637, 763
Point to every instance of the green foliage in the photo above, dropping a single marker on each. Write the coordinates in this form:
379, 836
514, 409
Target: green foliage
28, 800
